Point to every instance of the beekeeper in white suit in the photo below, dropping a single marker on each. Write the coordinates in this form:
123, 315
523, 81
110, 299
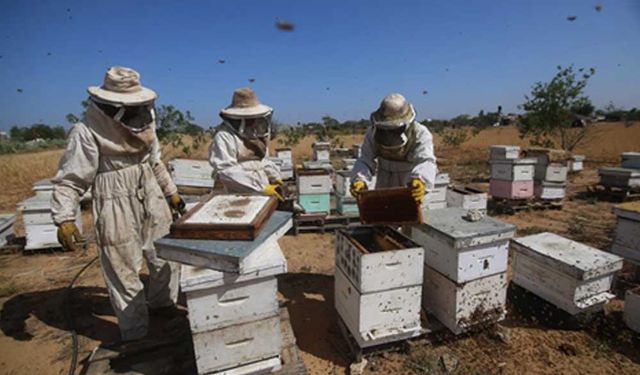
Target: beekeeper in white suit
115, 151
398, 149
239, 150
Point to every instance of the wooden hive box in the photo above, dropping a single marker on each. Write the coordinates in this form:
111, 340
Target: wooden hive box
348, 163
498, 152
189, 172
316, 181
632, 309
550, 190
467, 197
619, 177
322, 151
630, 160
285, 154
378, 284
626, 241
511, 189
576, 163
389, 206
343, 184
356, 150
6, 228
41, 232
572, 276
463, 250
462, 306
347, 206
513, 169
43, 189
439, 192
553, 172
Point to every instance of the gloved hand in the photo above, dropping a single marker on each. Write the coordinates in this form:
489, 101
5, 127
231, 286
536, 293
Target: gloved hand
275, 191
177, 204
418, 189
358, 187
69, 235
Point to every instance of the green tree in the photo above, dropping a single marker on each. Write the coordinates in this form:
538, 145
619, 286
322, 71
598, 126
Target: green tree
72, 118
170, 120
551, 107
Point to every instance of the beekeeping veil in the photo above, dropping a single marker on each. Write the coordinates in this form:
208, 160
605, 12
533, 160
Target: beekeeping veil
394, 129
249, 119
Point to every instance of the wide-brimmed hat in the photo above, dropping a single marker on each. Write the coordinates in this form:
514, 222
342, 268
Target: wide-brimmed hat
394, 111
122, 86
245, 104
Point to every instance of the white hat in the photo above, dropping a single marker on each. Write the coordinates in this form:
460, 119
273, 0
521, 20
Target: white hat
394, 111
122, 86
245, 104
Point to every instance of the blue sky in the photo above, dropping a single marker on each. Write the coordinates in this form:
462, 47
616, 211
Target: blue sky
341, 59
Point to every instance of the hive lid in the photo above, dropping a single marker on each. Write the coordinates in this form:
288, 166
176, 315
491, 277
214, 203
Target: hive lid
451, 226
578, 157
317, 165
391, 206
570, 257
6, 220
45, 184
629, 210
263, 262
519, 161
34, 204
630, 155
627, 172
505, 148
442, 179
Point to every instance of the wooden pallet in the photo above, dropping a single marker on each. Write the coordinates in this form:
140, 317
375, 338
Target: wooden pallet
615, 194
512, 206
323, 222
174, 355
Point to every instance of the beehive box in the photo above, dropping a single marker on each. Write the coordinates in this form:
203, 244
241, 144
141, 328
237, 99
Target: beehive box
553, 172
315, 203
343, 184
576, 163
43, 189
632, 309
572, 276
463, 250
312, 165
356, 151
513, 169
630, 160
378, 284
498, 152
348, 163
313, 182
322, 151
189, 172
619, 177
550, 190
6, 228
626, 241
285, 154
511, 189
467, 197
286, 174
461, 306
346, 206
41, 232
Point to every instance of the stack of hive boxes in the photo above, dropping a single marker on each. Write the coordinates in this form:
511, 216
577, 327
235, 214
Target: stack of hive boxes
378, 284
437, 197
550, 173
572, 276
314, 190
345, 202
40, 230
465, 268
286, 168
626, 242
626, 177
322, 151
576, 164
511, 176
191, 173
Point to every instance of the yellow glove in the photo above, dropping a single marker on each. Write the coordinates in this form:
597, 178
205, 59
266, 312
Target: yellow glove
278, 182
418, 189
358, 187
177, 204
69, 235
272, 190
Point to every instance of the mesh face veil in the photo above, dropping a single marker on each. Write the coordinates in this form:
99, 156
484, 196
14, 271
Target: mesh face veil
135, 118
250, 128
391, 138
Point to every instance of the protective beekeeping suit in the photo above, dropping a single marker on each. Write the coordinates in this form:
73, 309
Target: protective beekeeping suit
398, 148
115, 150
239, 151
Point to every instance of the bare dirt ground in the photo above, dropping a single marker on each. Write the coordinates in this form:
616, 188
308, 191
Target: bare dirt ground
34, 336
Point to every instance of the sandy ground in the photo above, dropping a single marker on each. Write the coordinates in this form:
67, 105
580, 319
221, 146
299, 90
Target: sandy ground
34, 337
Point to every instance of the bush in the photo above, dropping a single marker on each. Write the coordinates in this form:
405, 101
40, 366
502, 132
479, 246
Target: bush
15, 147
454, 137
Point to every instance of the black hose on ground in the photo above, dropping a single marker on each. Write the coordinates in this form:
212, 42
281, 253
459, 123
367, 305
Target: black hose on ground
69, 318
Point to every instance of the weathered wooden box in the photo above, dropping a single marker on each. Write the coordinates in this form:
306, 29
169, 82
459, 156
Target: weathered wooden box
466, 197
346, 206
572, 276
632, 309
189, 172
313, 182
630, 160
512, 169
6, 228
378, 284
619, 177
41, 232
322, 151
626, 241
553, 172
511, 189
462, 306
497, 152
464, 250
576, 163
313, 203
436, 198
550, 190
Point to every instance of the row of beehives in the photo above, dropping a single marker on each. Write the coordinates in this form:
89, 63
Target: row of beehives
627, 176
456, 270
541, 173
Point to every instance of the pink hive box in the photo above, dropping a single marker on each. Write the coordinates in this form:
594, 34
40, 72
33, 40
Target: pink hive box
511, 189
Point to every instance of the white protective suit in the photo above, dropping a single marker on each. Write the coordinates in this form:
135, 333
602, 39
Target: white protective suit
237, 167
130, 184
419, 162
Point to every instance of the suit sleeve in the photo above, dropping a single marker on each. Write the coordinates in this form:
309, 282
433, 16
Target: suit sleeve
365, 166
425, 167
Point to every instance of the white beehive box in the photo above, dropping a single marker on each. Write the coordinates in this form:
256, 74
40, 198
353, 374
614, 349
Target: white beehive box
6, 227
497, 152
286, 174
378, 284
285, 154
188, 172
632, 309
576, 163
553, 172
321, 151
464, 250
347, 164
570, 275
626, 241
356, 150
41, 232
318, 182
513, 169
619, 177
630, 160
343, 184
550, 190
430, 206
466, 197
43, 189
461, 306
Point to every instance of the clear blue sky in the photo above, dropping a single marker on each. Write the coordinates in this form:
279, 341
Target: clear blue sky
468, 55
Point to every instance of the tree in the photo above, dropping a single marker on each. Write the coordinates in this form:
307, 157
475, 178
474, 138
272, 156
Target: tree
72, 118
551, 108
169, 120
